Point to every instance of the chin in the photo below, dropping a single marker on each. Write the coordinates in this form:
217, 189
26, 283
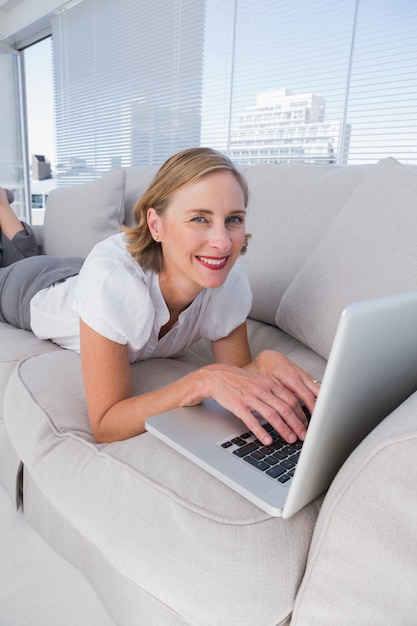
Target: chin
215, 281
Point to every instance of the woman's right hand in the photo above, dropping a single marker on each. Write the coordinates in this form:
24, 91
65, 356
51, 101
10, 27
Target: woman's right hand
244, 393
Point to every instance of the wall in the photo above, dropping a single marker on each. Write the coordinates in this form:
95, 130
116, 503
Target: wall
21, 19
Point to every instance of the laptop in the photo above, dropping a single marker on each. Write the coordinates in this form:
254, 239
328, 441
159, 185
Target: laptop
371, 369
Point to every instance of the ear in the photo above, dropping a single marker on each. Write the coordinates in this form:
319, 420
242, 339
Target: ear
154, 223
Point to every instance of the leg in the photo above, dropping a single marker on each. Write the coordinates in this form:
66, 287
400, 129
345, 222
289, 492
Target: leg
17, 240
21, 281
9, 222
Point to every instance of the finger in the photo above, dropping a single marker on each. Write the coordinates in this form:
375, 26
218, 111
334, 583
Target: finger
313, 385
282, 417
305, 388
255, 427
290, 409
288, 424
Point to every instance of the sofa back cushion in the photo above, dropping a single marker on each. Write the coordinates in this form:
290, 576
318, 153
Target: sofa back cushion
290, 207
368, 251
138, 179
77, 218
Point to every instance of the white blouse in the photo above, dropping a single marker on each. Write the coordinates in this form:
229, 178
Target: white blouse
119, 300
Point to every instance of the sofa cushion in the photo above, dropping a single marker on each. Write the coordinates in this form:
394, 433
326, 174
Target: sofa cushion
290, 206
138, 179
366, 252
166, 526
77, 218
362, 563
15, 344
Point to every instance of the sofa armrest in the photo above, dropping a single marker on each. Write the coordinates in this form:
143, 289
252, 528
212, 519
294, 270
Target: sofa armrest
362, 563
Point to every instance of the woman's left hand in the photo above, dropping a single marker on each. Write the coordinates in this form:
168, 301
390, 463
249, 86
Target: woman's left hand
281, 369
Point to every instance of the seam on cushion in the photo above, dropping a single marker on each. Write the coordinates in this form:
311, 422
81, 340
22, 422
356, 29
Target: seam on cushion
18, 360
165, 490
100, 452
342, 492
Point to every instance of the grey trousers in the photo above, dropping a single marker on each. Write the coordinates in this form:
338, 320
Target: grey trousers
21, 246
28, 274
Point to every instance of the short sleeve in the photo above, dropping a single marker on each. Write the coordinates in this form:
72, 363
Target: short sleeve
114, 301
229, 305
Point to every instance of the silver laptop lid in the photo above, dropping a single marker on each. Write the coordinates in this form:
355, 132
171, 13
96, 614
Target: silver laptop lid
371, 369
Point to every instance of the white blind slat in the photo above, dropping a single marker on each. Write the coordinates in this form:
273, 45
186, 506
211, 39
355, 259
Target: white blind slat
278, 81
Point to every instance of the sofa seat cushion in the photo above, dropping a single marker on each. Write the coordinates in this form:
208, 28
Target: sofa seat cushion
368, 251
167, 526
362, 564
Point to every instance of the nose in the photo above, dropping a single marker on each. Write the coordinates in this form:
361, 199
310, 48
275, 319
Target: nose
220, 238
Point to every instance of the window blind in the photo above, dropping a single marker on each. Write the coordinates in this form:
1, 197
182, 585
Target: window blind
128, 82
382, 100
290, 80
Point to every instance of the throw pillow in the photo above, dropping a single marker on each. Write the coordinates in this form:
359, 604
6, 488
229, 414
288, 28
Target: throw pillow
368, 251
284, 199
79, 217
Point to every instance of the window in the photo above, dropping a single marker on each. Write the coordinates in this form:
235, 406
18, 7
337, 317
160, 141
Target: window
40, 123
136, 81
128, 83
12, 172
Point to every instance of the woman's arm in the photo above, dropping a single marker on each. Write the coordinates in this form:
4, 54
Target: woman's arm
115, 415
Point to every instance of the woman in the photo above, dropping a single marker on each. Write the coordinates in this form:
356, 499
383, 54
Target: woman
156, 288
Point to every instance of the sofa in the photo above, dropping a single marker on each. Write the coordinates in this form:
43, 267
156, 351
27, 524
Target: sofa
161, 541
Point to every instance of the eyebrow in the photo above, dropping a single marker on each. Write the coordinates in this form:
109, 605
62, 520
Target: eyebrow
209, 212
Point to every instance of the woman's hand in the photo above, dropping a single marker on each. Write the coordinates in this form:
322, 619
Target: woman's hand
271, 385
281, 369
244, 392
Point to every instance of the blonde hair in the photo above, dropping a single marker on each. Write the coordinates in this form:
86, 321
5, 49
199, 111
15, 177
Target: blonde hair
179, 170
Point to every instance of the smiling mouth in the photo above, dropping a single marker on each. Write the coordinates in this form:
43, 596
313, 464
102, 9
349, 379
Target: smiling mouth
214, 263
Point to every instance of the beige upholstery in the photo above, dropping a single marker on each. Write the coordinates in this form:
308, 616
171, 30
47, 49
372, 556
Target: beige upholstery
160, 540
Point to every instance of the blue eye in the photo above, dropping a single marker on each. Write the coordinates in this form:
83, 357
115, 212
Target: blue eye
199, 219
235, 219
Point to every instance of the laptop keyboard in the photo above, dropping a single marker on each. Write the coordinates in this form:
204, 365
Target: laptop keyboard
278, 460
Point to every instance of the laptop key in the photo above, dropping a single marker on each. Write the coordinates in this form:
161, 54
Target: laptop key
279, 455
287, 464
289, 449
275, 471
238, 441
247, 449
260, 465
258, 455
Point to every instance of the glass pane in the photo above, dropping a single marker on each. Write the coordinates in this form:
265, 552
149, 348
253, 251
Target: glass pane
40, 123
11, 152
329, 81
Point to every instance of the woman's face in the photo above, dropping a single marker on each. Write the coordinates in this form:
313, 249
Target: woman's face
201, 233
